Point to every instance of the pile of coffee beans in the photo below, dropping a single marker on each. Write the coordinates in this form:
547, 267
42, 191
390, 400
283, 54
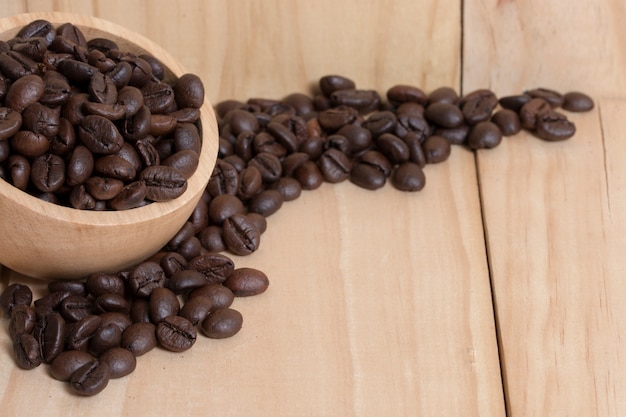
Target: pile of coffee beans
87, 125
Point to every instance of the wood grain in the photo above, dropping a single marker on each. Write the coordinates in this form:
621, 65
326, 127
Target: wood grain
379, 302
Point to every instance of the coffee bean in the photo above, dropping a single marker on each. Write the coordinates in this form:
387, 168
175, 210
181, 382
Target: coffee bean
105, 338
111, 303
79, 334
380, 122
507, 121
484, 135
529, 111
189, 91
139, 338
222, 323
223, 206
10, 122
309, 176
163, 183
362, 100
331, 83
245, 282
130, 196
240, 235
267, 202
75, 308
196, 309
514, 102
554, 126
120, 361
443, 95
90, 379
24, 91
408, 177
176, 333
50, 334
26, 351
335, 118
554, 98
289, 188
576, 101
444, 115
367, 176
14, 295
436, 149
145, 277
394, 148
401, 93
163, 304
215, 267
23, 319
68, 362
478, 105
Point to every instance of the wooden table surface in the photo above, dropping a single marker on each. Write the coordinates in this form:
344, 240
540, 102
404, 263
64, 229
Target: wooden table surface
496, 291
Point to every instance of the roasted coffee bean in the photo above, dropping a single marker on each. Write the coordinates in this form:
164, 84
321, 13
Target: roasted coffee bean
196, 309
289, 188
189, 91
436, 149
90, 379
554, 126
172, 262
268, 165
100, 135
335, 118
139, 338
48, 172
137, 126
102, 44
68, 362
250, 182
394, 148
240, 236
293, 162
367, 176
14, 295
529, 112
147, 153
408, 177
140, 310
10, 122
80, 166
358, 137
98, 284
278, 140
222, 323
145, 277
19, 171
576, 101
71, 286
514, 102
242, 121
80, 199
267, 202
50, 334
50, 302
163, 183
223, 206
399, 94
5, 150
130, 196
334, 165
163, 304
176, 333
120, 361
507, 121
444, 115
220, 296
111, 303
380, 122
484, 135
186, 280
416, 153
23, 319
478, 105
121, 320
103, 188
216, 268
79, 334
56, 90
224, 179
364, 101
309, 176
75, 308
378, 160
113, 166
16, 65
78, 72
121, 74
191, 248
102, 89
38, 28
211, 239
331, 83
301, 103
106, 337
185, 232
23, 92
244, 282
29, 144
157, 96
26, 351
185, 161
554, 98
443, 95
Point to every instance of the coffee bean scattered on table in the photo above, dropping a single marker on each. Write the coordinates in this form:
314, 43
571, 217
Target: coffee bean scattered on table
91, 331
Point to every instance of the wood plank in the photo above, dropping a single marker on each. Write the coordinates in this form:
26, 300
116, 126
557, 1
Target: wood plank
379, 302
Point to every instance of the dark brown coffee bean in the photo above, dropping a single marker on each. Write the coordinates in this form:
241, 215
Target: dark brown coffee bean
75, 308
103, 188
145, 277
80, 166
576, 101
90, 379
335, 166
514, 102
56, 91
554, 98
377, 160
268, 165
189, 91
444, 115
24, 92
65, 140
224, 179
29, 144
215, 267
331, 83
380, 122
223, 206
71, 286
267, 202
250, 182
478, 105
78, 72
100, 135
130, 196
112, 303
222, 323
289, 188
80, 198
16, 65
26, 351
140, 310
120, 361
335, 118
436, 149
186, 280
416, 153
50, 334
163, 183
23, 319
244, 282
283, 136
367, 176
443, 95
157, 96
309, 175
507, 121
68, 362
554, 126
185, 161
121, 74
220, 296
113, 166
137, 126
394, 148
106, 337
484, 135
98, 284
529, 111
14, 295
408, 177
240, 236
10, 122
48, 173
38, 28
163, 304
401, 93
242, 121
121, 320
139, 338
79, 334
364, 101
172, 262
176, 333
358, 137
19, 171
102, 44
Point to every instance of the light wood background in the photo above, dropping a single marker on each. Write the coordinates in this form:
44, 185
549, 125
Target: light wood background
496, 291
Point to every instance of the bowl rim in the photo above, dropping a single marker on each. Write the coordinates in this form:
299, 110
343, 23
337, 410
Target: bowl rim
195, 183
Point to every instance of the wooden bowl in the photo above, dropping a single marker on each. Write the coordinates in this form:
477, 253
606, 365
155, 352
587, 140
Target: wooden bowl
48, 241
